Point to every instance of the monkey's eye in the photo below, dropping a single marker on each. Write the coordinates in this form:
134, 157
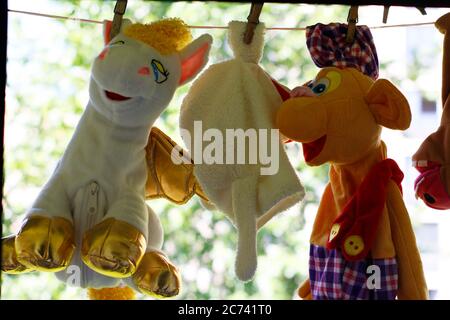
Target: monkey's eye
321, 86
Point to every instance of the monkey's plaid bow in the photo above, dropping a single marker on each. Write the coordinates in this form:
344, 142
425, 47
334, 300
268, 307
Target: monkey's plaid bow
327, 46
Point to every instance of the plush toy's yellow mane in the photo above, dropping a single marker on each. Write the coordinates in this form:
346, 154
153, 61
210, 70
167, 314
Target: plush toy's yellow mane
166, 35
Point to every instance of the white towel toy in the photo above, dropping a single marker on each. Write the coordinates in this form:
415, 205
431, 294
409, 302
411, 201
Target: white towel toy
238, 94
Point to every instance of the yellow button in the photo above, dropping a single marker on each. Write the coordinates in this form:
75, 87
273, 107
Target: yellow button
334, 231
353, 245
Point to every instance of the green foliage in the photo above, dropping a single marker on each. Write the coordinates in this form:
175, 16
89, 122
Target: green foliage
47, 92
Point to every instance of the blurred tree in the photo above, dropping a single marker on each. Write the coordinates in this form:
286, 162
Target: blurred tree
48, 72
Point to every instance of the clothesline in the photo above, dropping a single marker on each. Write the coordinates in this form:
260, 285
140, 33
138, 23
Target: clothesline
212, 27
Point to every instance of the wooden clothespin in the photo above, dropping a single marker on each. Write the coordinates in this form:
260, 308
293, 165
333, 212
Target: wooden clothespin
352, 20
422, 10
252, 21
119, 11
385, 13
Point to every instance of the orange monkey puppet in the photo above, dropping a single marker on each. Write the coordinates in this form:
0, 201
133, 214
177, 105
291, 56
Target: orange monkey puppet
362, 244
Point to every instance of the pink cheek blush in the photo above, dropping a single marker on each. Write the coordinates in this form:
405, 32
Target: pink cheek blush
145, 71
102, 55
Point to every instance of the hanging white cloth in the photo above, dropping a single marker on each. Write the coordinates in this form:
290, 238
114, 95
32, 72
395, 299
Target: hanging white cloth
238, 94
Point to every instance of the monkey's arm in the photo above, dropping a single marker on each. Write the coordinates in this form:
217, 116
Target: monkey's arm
304, 290
411, 279
443, 25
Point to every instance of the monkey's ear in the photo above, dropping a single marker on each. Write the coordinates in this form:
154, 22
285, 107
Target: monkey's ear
388, 105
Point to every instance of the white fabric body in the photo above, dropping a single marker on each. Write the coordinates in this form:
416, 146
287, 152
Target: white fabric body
107, 150
238, 94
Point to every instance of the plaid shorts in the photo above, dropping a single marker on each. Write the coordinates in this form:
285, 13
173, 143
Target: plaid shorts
334, 278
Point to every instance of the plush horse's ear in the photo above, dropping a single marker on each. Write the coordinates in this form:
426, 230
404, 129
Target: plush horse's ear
194, 57
107, 25
388, 105
125, 23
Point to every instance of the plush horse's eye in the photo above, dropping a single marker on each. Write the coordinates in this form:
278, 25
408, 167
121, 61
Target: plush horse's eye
159, 71
310, 84
118, 42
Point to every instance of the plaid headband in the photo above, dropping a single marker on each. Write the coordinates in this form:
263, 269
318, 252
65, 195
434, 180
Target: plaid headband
327, 46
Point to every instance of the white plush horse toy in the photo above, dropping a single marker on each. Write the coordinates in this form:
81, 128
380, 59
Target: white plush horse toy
92, 211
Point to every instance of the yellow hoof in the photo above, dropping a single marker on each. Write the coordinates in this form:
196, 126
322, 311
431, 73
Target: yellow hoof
113, 248
157, 276
10, 265
45, 244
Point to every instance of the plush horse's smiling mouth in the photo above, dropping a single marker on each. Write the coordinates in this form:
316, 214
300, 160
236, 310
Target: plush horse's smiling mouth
115, 96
